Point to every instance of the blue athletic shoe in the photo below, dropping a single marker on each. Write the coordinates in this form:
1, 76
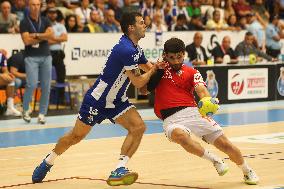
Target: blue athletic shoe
122, 176
40, 172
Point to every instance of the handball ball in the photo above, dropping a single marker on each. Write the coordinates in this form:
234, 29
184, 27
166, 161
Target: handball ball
208, 106
252, 59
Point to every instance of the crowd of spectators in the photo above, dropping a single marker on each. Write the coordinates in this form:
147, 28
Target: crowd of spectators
263, 20
164, 15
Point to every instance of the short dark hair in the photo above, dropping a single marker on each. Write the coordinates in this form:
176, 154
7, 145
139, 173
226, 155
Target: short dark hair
174, 45
272, 17
127, 19
249, 34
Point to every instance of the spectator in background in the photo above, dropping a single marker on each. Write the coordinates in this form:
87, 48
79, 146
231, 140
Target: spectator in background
19, 9
99, 5
279, 8
158, 23
168, 15
233, 24
273, 37
147, 8
242, 8
109, 26
243, 23
194, 9
215, 6
8, 21
7, 79
246, 47
228, 9
129, 6
35, 32
148, 23
113, 4
57, 51
220, 51
83, 13
71, 24
256, 29
195, 24
181, 23
71, 4
196, 53
261, 13
180, 9
159, 8
94, 25
216, 23
16, 65
49, 4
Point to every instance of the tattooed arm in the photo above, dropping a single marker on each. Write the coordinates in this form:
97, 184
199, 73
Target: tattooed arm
139, 80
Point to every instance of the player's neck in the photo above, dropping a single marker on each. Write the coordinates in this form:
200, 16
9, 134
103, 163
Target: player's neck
133, 39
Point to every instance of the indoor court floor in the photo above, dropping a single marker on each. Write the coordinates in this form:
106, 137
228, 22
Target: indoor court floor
256, 128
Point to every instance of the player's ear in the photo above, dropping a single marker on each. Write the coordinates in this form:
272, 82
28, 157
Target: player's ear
131, 28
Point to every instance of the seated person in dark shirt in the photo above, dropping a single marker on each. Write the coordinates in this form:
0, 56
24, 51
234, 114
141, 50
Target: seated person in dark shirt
196, 53
181, 23
16, 66
195, 24
220, 51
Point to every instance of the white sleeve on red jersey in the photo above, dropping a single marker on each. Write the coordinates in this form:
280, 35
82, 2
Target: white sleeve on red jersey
197, 78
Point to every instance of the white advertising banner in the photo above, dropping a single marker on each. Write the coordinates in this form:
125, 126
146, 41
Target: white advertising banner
247, 83
87, 53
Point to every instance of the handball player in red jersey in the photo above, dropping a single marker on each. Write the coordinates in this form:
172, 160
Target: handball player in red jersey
175, 105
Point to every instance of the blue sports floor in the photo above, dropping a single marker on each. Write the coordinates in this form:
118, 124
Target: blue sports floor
15, 133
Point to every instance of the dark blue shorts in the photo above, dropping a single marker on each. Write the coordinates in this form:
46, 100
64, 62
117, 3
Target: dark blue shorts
91, 112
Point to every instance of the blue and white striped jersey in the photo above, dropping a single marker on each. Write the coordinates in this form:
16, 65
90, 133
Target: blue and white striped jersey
111, 86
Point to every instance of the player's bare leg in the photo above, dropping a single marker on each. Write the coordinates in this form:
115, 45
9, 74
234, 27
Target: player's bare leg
226, 146
181, 137
133, 123
79, 131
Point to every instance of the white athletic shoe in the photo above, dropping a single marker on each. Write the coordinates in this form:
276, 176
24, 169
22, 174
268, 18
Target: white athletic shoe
27, 117
12, 112
251, 178
41, 119
221, 167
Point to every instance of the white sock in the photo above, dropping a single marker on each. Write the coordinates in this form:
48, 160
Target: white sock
50, 158
10, 102
211, 157
244, 167
122, 161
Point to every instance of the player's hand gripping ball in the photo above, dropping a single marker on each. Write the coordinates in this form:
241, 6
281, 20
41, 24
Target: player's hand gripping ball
208, 106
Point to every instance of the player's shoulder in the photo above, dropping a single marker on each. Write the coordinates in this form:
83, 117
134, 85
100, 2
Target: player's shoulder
190, 69
124, 48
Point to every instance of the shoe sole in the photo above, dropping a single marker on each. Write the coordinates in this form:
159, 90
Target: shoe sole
27, 121
224, 172
251, 182
127, 179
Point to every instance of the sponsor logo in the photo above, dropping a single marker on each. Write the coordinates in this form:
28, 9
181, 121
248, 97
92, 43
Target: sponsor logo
78, 53
212, 84
273, 138
237, 84
280, 82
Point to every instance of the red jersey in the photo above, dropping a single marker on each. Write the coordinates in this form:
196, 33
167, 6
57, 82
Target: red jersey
176, 88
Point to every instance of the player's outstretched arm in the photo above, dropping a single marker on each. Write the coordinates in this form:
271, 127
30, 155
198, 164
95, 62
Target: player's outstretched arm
202, 91
139, 80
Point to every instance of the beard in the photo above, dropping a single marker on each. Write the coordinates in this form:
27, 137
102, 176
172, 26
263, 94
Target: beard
176, 67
